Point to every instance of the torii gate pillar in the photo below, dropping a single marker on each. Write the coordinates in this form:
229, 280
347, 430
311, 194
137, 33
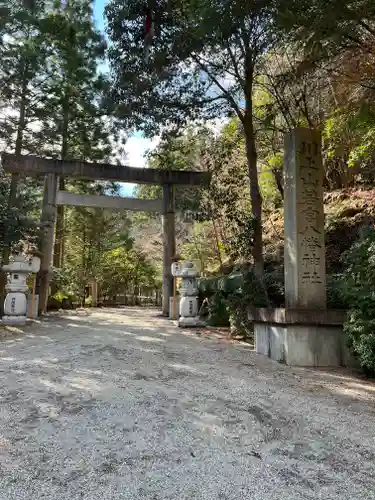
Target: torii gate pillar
169, 244
49, 216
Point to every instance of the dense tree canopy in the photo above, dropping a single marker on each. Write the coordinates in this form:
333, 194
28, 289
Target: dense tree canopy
198, 69
52, 105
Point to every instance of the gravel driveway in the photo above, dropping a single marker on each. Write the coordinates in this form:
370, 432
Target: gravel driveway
120, 404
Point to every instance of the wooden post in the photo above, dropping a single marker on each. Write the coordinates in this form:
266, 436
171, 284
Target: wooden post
169, 244
175, 297
49, 216
94, 293
31, 308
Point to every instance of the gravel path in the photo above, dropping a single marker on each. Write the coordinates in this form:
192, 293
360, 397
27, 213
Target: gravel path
120, 404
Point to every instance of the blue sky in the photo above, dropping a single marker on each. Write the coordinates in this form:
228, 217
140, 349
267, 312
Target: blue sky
99, 13
137, 145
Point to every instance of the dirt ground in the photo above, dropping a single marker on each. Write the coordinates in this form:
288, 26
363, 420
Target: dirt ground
121, 404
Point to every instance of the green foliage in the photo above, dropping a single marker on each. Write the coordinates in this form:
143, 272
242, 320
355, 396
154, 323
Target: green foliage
23, 51
50, 98
350, 148
358, 290
74, 122
125, 270
99, 247
270, 173
60, 296
202, 247
235, 294
329, 25
244, 239
231, 297
196, 67
248, 293
274, 283
207, 286
364, 152
265, 68
218, 314
335, 297
179, 152
19, 228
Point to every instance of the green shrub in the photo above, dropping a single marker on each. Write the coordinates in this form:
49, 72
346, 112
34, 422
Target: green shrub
207, 286
53, 304
244, 293
60, 295
335, 296
358, 292
218, 314
274, 281
230, 298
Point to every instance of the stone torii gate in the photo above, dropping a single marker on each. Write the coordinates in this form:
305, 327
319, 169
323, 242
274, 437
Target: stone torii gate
34, 166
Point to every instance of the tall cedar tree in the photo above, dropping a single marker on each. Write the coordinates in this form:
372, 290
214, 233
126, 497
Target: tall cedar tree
197, 68
76, 126
23, 51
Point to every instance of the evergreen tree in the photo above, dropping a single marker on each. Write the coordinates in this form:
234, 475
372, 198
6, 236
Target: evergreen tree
23, 51
24, 48
197, 68
76, 125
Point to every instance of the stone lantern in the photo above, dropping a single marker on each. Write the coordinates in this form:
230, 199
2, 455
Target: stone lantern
188, 292
15, 306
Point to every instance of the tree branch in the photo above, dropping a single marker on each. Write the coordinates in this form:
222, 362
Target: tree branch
235, 66
225, 92
217, 66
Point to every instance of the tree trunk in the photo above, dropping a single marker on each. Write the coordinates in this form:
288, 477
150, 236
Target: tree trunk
83, 301
256, 207
217, 246
278, 176
251, 155
58, 254
255, 196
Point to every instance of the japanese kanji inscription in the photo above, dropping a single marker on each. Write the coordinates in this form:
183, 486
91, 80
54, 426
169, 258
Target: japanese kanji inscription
305, 284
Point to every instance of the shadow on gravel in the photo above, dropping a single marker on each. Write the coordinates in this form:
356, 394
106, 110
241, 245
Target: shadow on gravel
137, 331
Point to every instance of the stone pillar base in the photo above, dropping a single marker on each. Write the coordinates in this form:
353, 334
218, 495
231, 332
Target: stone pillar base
301, 337
14, 320
189, 322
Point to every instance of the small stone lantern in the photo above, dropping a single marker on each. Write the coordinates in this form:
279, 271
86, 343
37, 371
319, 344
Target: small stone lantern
15, 305
188, 292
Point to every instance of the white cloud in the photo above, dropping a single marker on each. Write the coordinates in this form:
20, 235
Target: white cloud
136, 148
217, 124
227, 81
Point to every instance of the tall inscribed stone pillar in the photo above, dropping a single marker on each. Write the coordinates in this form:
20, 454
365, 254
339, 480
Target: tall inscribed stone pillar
305, 273
305, 332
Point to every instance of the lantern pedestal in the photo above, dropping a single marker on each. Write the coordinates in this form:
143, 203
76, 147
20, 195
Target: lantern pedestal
189, 294
15, 305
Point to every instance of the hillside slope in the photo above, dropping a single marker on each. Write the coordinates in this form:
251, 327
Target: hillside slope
346, 213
